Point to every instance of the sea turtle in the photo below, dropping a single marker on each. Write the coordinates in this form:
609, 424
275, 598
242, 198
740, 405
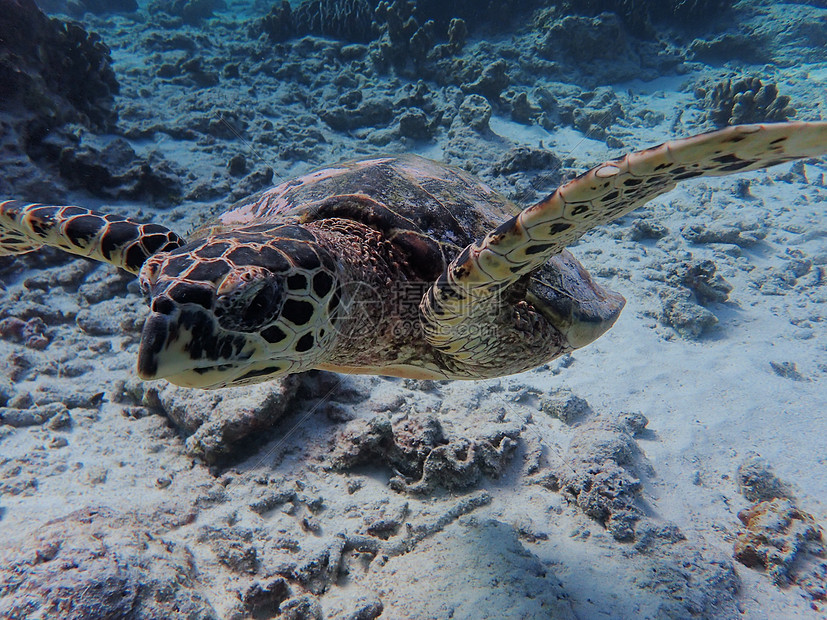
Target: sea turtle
394, 265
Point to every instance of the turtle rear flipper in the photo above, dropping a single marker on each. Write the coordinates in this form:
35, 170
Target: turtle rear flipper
476, 280
25, 227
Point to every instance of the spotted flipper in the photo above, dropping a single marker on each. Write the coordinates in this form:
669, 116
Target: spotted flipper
25, 227
601, 195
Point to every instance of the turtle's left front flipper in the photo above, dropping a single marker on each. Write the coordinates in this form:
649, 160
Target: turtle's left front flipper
25, 227
478, 277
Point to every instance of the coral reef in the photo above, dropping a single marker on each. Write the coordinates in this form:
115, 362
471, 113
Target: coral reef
349, 20
641, 16
403, 43
306, 509
188, 11
403, 20
745, 100
55, 70
54, 78
77, 8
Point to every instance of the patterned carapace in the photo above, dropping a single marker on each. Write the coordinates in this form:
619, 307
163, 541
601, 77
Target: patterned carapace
396, 266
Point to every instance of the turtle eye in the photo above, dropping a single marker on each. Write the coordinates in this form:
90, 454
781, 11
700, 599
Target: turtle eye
247, 299
147, 277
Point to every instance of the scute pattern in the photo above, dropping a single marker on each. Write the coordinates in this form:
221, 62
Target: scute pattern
253, 280
391, 193
25, 227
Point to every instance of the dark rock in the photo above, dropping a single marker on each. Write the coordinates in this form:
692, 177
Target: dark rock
165, 41
304, 607
262, 599
491, 82
757, 482
369, 609
788, 370
219, 422
526, 158
31, 333
600, 477
565, 406
742, 236
200, 76
190, 11
580, 40
417, 448
646, 228
370, 113
522, 111
749, 47
252, 183
687, 318
413, 123
640, 16
117, 172
699, 277
33, 416
593, 112
237, 165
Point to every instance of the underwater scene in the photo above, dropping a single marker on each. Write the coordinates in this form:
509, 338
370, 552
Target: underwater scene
296, 323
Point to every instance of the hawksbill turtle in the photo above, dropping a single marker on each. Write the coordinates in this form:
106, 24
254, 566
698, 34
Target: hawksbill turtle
394, 265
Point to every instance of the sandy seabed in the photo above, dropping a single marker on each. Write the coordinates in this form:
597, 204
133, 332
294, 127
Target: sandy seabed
607, 484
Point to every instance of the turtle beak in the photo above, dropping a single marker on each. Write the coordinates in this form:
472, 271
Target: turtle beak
165, 354
153, 340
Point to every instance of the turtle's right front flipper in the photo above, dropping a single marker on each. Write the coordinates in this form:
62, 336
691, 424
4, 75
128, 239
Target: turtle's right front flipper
25, 227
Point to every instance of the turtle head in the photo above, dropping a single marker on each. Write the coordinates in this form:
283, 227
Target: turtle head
238, 307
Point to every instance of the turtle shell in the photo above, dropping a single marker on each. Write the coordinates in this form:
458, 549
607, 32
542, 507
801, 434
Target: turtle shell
429, 209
